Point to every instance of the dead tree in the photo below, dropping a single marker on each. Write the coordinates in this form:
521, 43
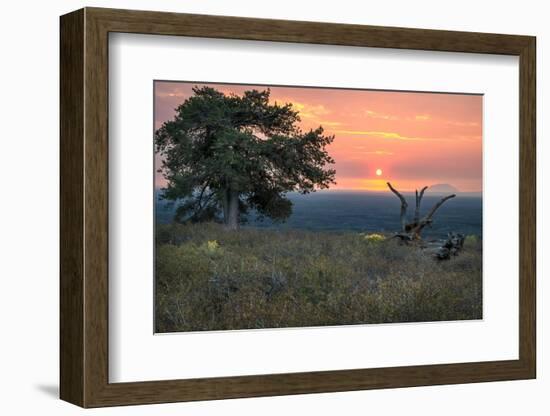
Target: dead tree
444, 250
411, 230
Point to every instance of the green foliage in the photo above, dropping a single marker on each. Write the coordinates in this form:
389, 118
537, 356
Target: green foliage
210, 279
472, 241
221, 150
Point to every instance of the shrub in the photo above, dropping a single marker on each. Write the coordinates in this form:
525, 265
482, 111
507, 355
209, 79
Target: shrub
208, 278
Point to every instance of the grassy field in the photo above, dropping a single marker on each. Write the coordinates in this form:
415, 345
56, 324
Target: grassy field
208, 278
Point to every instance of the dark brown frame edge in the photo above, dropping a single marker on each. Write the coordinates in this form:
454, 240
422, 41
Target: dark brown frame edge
84, 210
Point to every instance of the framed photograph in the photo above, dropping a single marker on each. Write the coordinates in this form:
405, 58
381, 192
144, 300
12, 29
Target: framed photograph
255, 207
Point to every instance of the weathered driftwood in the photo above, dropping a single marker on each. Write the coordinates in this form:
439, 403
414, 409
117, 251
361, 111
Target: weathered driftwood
411, 230
444, 250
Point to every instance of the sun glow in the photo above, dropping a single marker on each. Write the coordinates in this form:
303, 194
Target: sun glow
378, 172
374, 185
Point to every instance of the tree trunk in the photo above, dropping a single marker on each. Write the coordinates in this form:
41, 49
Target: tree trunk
231, 210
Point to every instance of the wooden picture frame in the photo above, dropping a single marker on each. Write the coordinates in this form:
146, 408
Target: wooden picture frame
84, 207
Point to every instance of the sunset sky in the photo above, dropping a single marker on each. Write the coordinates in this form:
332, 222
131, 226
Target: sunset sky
411, 139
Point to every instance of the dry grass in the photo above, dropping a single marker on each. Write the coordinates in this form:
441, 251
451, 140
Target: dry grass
211, 279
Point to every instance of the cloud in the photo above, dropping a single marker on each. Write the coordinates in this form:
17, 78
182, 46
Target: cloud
358, 154
386, 135
463, 124
330, 123
164, 94
377, 152
383, 116
447, 167
310, 111
374, 114
366, 151
467, 137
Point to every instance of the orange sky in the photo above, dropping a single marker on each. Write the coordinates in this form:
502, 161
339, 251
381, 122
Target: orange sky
416, 139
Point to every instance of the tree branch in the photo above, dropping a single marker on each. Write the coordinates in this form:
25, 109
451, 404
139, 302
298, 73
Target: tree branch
428, 218
404, 206
436, 207
418, 201
199, 201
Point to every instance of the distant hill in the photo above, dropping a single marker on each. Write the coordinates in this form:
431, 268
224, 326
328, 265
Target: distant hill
442, 188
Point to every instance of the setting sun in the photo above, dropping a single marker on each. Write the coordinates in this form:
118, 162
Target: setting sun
378, 172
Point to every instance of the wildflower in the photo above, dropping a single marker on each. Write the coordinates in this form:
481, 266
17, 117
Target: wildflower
374, 238
212, 246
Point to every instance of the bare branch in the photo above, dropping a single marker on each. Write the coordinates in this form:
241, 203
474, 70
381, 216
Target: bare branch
418, 201
404, 206
436, 207
417, 204
417, 229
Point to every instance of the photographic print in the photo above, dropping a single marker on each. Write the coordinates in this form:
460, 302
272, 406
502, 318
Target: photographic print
289, 206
